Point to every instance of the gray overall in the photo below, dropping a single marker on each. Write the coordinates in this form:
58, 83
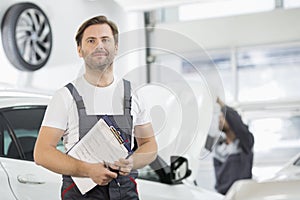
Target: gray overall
123, 187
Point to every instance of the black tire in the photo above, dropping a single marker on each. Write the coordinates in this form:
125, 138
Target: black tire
26, 36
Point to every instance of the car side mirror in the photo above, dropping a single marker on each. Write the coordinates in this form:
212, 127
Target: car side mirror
179, 169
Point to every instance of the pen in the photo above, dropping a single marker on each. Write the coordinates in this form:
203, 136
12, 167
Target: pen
106, 165
129, 154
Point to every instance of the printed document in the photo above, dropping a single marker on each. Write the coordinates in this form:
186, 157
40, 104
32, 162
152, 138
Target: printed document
98, 145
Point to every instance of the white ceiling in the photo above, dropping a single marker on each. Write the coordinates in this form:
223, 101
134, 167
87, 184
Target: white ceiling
146, 5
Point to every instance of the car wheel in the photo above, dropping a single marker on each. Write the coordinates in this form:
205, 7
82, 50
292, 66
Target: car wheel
26, 36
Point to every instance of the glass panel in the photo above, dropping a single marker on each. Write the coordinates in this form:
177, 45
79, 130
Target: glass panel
219, 60
269, 73
227, 77
264, 73
148, 173
291, 3
276, 138
25, 123
7, 141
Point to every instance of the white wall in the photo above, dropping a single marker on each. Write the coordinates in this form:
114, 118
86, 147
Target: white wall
277, 26
64, 64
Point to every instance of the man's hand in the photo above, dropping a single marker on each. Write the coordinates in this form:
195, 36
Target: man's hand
124, 166
100, 174
220, 102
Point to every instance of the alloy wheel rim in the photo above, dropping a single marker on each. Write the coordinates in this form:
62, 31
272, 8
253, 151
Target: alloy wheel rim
33, 35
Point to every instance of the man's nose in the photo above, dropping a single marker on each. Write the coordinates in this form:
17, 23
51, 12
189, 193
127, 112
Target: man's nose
99, 44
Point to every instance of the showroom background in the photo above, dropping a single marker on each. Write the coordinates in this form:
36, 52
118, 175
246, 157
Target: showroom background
273, 27
254, 34
64, 64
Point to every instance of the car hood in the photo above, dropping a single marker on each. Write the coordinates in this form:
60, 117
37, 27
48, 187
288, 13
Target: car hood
272, 190
181, 116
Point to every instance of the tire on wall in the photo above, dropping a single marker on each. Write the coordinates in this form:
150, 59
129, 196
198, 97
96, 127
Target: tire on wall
26, 36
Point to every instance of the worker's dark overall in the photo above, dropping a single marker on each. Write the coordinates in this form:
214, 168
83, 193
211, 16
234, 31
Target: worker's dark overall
123, 187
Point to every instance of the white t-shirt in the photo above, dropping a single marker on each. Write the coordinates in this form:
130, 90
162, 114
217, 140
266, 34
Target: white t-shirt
62, 111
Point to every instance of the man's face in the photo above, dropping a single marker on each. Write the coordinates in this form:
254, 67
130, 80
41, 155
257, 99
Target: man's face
98, 48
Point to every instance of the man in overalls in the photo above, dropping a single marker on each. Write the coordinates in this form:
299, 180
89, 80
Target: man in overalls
76, 108
233, 154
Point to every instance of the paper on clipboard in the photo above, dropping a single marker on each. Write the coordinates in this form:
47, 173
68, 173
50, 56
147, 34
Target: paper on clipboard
98, 145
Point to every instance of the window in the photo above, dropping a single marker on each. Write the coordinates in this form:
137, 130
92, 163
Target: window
291, 3
277, 138
261, 73
276, 71
217, 66
20, 127
21, 130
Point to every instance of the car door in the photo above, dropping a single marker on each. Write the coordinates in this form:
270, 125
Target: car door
5, 191
20, 126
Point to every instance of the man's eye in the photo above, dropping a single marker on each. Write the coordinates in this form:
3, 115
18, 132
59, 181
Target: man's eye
105, 40
91, 41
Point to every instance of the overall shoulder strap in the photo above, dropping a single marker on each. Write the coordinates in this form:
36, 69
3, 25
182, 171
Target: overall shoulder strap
76, 96
127, 97
86, 122
127, 109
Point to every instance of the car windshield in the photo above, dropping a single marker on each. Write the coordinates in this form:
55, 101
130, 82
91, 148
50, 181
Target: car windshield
297, 163
160, 171
148, 173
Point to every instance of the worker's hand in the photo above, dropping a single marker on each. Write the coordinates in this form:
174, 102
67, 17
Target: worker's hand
100, 174
220, 102
124, 166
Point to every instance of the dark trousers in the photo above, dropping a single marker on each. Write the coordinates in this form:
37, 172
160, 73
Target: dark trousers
125, 190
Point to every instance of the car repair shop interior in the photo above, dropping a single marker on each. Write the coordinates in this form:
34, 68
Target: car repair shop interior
190, 62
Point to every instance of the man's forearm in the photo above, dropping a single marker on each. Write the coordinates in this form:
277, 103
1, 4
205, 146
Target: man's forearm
61, 163
240, 129
144, 155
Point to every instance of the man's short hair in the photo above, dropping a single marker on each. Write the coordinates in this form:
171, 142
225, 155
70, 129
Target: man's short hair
97, 20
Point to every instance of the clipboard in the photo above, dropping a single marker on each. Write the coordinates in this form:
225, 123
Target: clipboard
102, 143
120, 134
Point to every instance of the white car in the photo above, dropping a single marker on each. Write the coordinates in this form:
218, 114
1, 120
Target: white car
291, 170
284, 185
277, 135
276, 129
270, 190
21, 179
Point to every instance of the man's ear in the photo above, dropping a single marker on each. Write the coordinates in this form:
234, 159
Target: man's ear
116, 49
79, 51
